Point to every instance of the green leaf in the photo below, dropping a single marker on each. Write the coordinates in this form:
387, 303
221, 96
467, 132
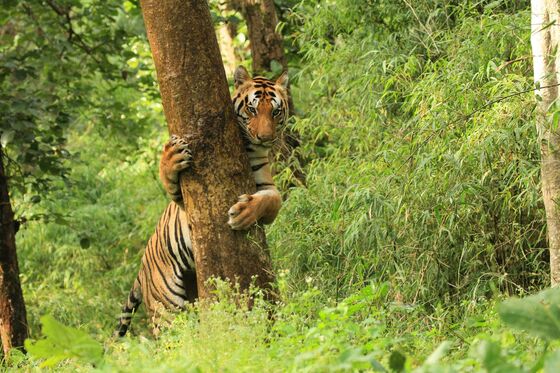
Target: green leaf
376, 365
397, 361
490, 354
438, 353
555, 120
276, 67
552, 362
16, 357
492, 5
85, 242
63, 342
6, 137
538, 314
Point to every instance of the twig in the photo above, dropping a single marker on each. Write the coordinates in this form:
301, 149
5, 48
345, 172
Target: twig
507, 63
72, 34
428, 32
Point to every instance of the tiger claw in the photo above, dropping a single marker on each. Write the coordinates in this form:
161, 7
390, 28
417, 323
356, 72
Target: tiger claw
243, 214
176, 158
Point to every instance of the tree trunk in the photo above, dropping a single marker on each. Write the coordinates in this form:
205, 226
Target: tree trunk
226, 48
267, 45
226, 32
197, 106
266, 42
13, 319
545, 38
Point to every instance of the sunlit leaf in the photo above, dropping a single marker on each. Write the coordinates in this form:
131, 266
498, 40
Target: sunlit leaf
63, 342
538, 314
6, 137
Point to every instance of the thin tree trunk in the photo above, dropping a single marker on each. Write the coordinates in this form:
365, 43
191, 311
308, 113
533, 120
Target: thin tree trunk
545, 38
197, 106
267, 45
226, 48
226, 33
266, 42
13, 319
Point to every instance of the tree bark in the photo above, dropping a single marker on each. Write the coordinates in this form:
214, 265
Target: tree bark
13, 319
197, 106
545, 38
266, 42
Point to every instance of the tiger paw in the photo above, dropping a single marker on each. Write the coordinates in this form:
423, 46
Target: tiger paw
244, 213
176, 157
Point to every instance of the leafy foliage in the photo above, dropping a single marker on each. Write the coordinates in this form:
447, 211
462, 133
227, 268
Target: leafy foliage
62, 342
413, 176
58, 63
538, 314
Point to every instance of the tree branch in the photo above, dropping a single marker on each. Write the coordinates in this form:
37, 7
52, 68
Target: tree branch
74, 38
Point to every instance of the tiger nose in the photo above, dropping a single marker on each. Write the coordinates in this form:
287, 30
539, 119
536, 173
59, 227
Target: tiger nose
265, 136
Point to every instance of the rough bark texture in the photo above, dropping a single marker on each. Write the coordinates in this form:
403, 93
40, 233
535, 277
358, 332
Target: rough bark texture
197, 106
13, 319
545, 38
266, 43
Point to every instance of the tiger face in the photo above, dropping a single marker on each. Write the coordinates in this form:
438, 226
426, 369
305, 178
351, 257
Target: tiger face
261, 106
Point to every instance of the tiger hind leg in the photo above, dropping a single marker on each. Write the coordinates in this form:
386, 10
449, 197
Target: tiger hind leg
132, 303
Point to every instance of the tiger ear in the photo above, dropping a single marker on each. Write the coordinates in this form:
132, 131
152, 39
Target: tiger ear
283, 80
240, 76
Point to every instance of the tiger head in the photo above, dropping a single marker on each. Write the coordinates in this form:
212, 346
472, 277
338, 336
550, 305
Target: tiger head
261, 106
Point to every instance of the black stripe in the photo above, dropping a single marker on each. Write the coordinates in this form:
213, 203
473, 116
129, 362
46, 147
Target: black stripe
166, 283
176, 222
169, 300
164, 219
182, 244
154, 293
162, 275
263, 184
258, 166
177, 272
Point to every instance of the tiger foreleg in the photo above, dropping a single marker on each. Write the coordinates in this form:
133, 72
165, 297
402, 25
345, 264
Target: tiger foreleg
261, 207
175, 158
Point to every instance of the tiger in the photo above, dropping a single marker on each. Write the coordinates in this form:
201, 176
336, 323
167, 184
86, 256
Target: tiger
166, 281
